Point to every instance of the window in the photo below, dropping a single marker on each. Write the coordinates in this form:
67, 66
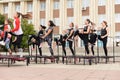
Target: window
29, 7
118, 34
101, 18
30, 21
117, 18
5, 7
70, 19
56, 21
56, 4
70, 3
117, 1
42, 6
101, 2
84, 18
85, 3
42, 21
17, 7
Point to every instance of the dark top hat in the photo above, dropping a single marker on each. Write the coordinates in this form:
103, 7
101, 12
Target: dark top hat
44, 27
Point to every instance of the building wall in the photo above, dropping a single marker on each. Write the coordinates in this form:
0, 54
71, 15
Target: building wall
62, 12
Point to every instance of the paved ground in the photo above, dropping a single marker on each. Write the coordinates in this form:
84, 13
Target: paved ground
20, 71
60, 72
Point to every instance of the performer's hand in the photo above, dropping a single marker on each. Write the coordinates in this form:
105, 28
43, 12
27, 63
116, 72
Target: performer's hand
66, 39
7, 30
43, 37
63, 39
14, 39
102, 37
81, 32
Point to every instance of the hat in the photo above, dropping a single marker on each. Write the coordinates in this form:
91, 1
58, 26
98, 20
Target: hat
44, 27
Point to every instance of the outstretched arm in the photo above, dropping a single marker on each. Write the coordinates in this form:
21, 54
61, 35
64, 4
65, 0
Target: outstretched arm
49, 31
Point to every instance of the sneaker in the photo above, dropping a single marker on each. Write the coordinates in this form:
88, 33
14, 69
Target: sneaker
2, 43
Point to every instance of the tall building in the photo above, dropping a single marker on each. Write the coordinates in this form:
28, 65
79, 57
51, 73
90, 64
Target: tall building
62, 12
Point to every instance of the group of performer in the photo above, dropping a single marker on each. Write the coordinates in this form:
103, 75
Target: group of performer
87, 34
43, 35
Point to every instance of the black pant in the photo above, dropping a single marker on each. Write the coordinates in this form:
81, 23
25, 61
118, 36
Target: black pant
71, 47
92, 40
39, 47
37, 42
85, 39
18, 41
92, 49
104, 40
78, 34
63, 47
5, 36
86, 45
63, 44
40, 50
49, 41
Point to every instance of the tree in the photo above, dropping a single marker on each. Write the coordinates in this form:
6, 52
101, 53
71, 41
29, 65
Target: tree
2, 18
27, 29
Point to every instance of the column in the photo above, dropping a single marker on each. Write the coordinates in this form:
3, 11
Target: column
49, 10
38, 14
95, 20
108, 13
80, 14
93, 10
110, 16
92, 6
13, 9
112, 7
10, 10
1, 8
35, 14
77, 9
110, 20
23, 7
63, 15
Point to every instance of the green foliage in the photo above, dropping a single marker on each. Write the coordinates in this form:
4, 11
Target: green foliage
11, 23
27, 29
2, 18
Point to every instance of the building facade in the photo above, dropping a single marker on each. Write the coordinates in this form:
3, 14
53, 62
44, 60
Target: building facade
62, 12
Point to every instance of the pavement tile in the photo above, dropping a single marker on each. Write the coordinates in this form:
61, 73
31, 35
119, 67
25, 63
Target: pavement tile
20, 71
